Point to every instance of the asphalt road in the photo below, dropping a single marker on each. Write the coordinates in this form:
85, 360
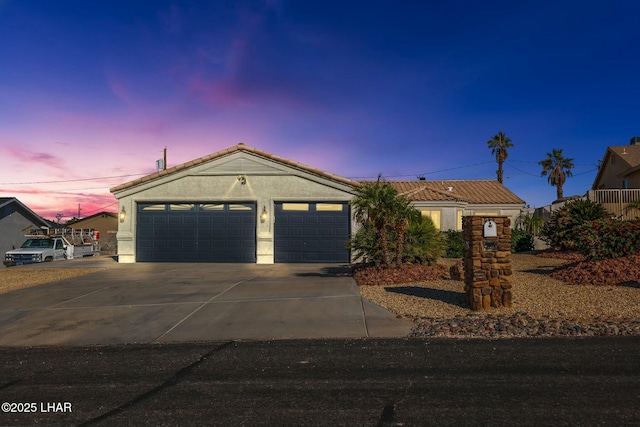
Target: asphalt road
369, 382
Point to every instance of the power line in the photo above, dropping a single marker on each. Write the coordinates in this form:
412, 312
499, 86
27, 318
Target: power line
425, 173
72, 180
531, 174
102, 208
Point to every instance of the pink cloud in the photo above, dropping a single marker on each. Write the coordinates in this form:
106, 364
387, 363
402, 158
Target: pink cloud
30, 157
48, 204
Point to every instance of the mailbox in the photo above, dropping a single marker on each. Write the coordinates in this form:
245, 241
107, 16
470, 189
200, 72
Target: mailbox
490, 233
490, 229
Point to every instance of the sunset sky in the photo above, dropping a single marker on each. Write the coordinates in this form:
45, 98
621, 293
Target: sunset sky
92, 91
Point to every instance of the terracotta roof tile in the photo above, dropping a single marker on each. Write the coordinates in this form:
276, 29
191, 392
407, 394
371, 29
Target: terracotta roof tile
470, 191
227, 151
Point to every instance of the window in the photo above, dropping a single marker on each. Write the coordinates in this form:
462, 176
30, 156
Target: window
295, 206
181, 207
152, 207
434, 215
211, 207
324, 207
239, 207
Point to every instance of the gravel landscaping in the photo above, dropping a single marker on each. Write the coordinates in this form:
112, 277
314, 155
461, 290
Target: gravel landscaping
542, 306
13, 278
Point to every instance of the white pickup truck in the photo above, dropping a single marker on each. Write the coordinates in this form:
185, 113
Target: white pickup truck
37, 250
46, 249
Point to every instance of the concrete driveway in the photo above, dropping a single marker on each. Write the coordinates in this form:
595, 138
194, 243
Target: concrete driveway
157, 302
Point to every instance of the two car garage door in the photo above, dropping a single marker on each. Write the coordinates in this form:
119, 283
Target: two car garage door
226, 232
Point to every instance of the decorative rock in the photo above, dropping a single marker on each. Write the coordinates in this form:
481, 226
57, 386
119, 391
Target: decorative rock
456, 271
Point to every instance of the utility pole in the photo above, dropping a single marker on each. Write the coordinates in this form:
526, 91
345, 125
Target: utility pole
165, 158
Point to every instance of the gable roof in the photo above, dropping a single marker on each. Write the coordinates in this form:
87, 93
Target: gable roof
629, 156
75, 221
36, 219
238, 148
470, 191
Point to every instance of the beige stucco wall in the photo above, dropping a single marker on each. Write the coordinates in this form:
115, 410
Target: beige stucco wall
199, 185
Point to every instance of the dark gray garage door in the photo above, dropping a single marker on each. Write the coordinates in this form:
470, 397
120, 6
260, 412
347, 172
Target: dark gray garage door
311, 232
196, 232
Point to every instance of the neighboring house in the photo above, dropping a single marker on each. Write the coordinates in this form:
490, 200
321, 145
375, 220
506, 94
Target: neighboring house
246, 205
447, 201
17, 220
618, 180
620, 168
106, 224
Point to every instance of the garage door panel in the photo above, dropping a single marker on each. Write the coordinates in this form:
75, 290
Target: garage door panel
196, 232
311, 232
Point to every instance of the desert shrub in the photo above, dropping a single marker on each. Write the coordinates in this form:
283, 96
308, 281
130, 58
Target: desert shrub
453, 244
559, 231
608, 238
521, 241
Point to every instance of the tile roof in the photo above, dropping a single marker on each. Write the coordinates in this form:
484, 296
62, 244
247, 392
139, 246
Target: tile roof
470, 191
222, 153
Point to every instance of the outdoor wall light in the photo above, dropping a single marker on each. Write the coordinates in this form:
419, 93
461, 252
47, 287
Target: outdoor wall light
263, 215
123, 214
242, 179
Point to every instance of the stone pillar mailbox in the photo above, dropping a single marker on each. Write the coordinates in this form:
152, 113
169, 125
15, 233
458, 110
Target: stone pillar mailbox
487, 261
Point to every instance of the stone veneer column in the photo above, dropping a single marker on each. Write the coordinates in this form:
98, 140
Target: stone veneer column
487, 262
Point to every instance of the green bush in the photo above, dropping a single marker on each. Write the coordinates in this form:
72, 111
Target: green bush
422, 242
453, 244
521, 241
365, 244
559, 231
608, 238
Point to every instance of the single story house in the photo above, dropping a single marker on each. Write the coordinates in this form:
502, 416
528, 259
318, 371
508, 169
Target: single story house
16, 221
105, 224
447, 201
243, 204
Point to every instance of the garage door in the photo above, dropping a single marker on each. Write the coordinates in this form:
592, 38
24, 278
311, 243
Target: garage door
311, 232
196, 232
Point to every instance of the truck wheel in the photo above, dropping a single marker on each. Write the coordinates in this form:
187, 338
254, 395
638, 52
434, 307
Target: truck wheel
48, 259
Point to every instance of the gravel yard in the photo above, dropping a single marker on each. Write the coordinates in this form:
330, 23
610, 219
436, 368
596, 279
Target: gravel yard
13, 278
437, 305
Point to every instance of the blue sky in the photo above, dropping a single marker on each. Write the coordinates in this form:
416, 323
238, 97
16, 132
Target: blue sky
91, 92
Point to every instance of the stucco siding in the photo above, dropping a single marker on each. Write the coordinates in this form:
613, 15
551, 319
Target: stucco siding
263, 190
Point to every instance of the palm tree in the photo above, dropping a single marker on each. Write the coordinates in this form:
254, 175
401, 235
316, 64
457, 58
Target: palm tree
558, 168
499, 144
402, 213
374, 204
